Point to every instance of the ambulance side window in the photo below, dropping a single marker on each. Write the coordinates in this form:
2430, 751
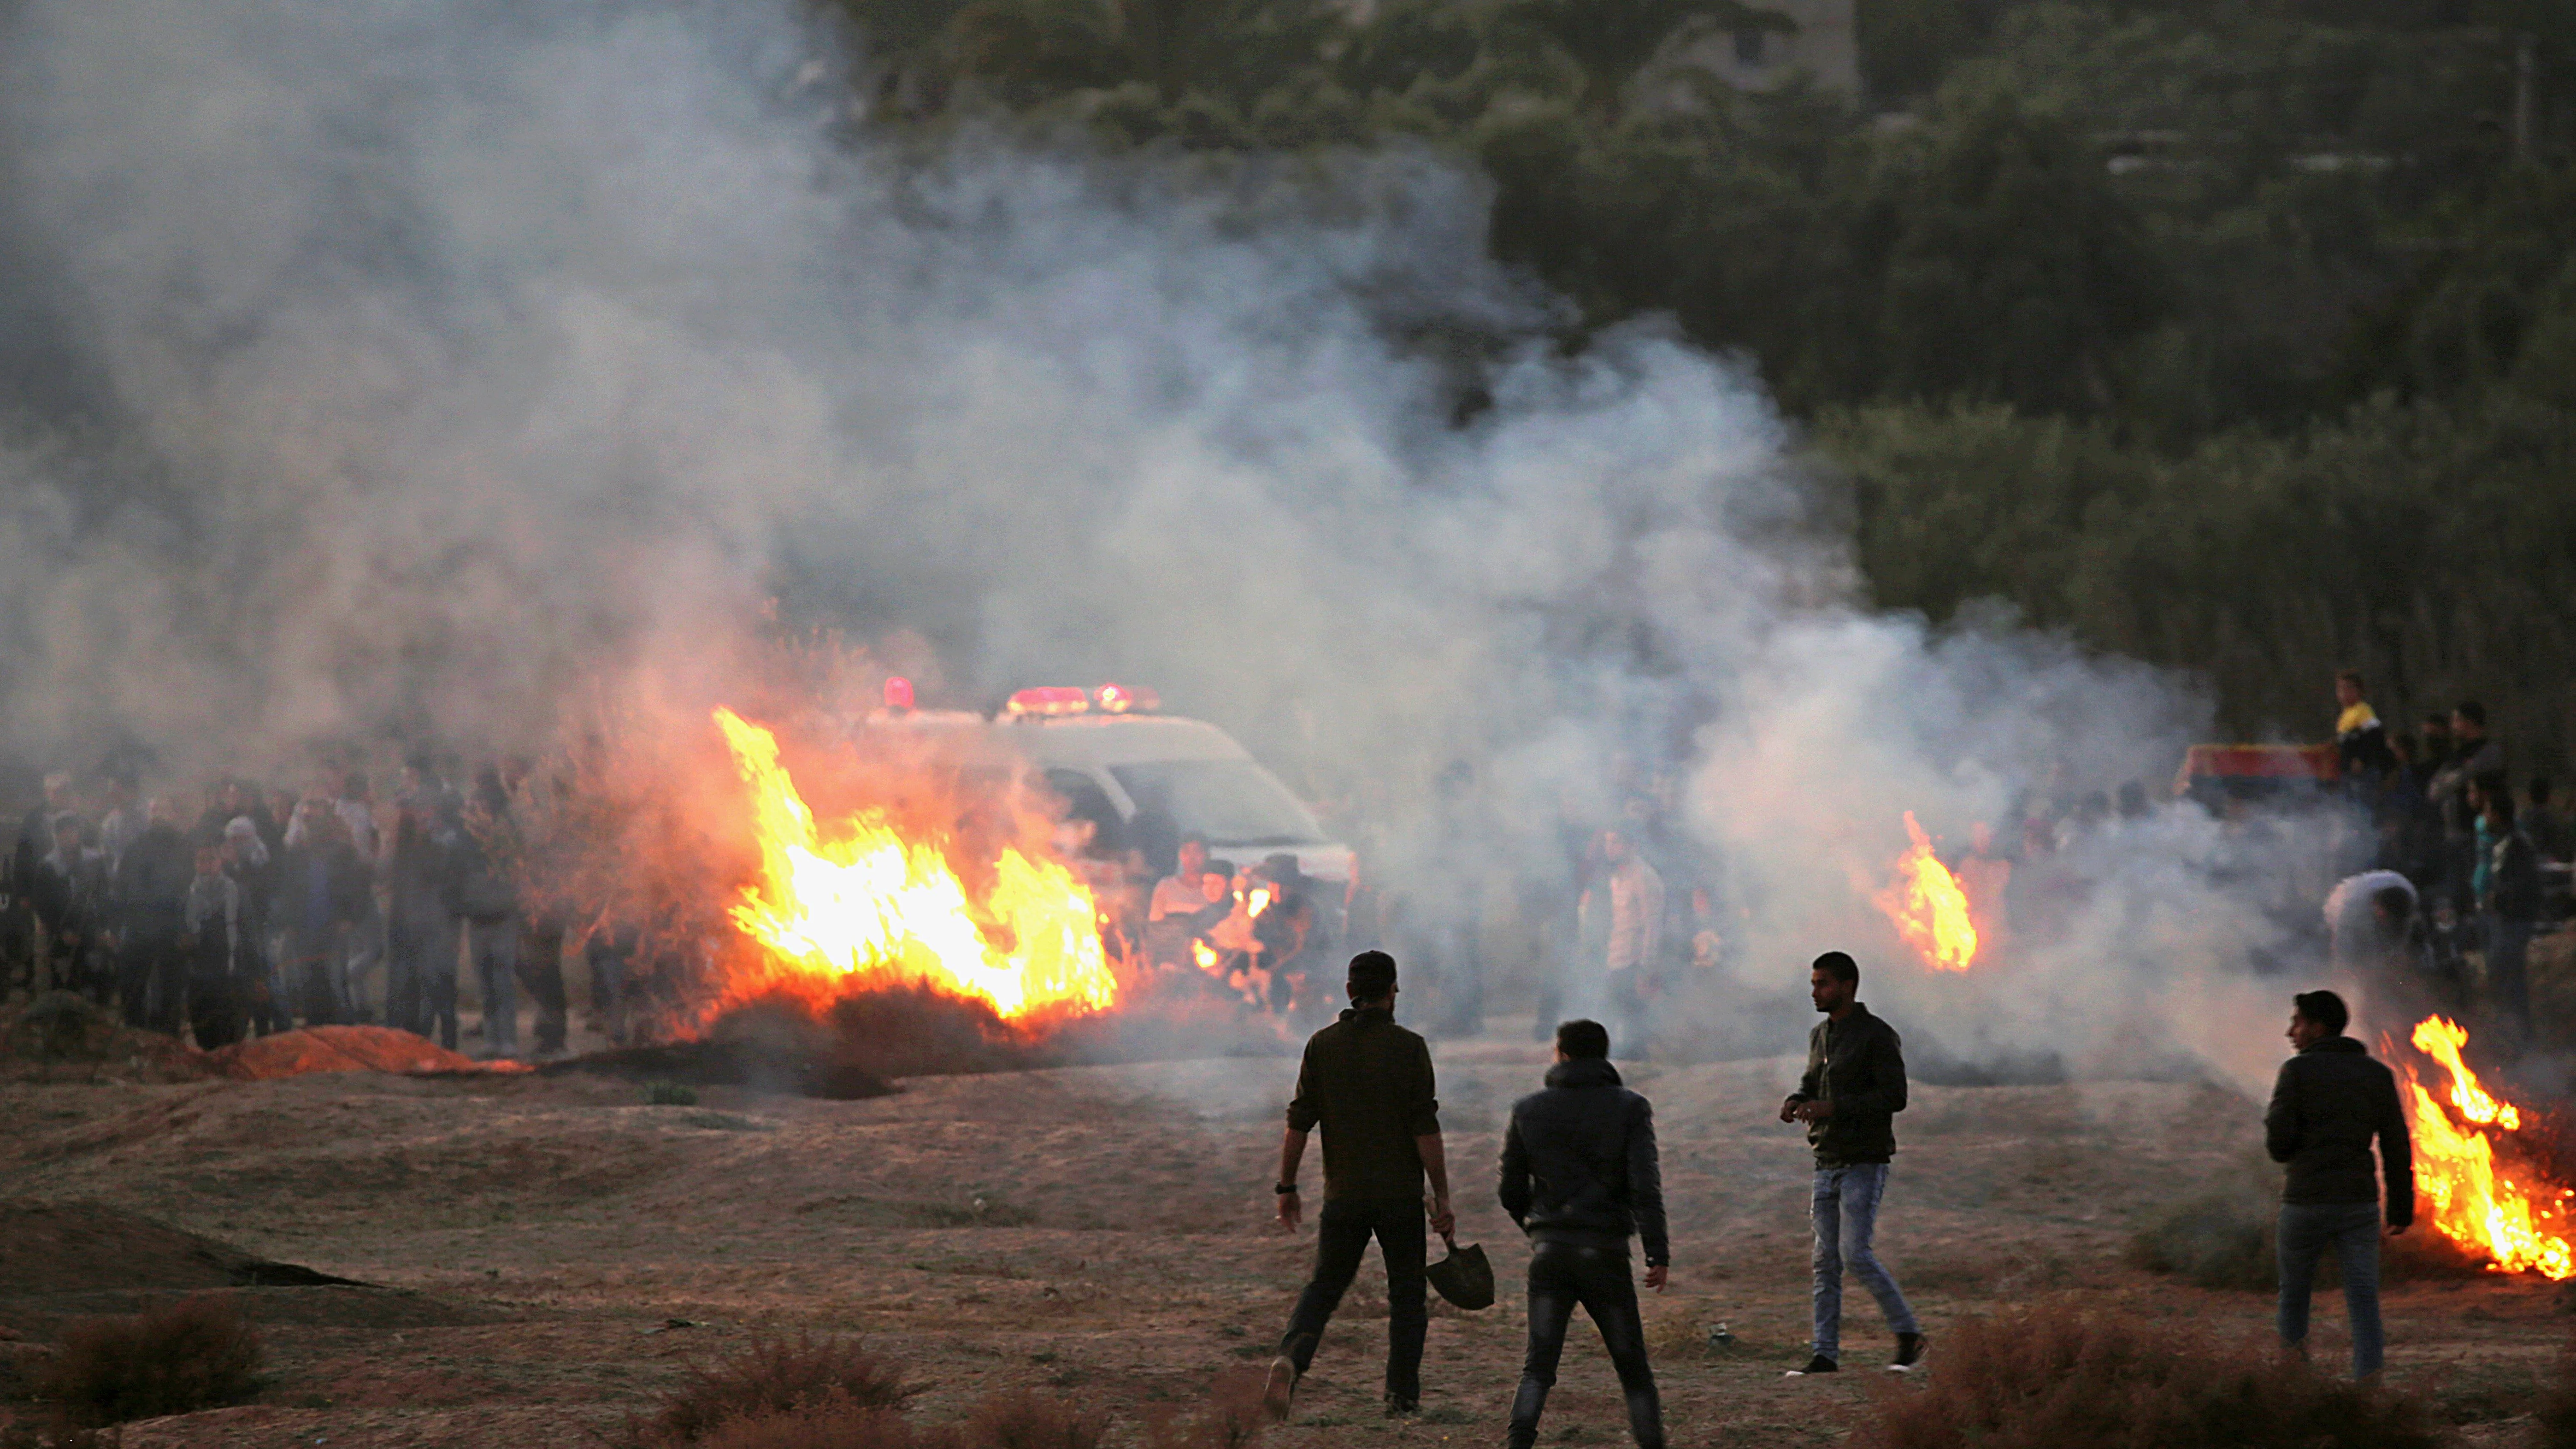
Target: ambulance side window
1085, 800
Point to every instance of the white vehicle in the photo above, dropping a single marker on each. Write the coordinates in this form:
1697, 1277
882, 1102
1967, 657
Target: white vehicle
1145, 781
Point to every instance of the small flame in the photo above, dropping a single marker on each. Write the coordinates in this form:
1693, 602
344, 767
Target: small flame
1205, 955
1257, 902
866, 902
1928, 907
2456, 1169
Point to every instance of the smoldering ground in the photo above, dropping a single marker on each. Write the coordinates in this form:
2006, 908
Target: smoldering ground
404, 363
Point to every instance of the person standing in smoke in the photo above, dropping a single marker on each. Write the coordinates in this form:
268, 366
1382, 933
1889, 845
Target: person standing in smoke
1625, 909
1580, 1176
68, 888
483, 892
2507, 885
212, 940
1852, 1090
247, 861
2476, 757
152, 878
1368, 1083
2328, 1105
319, 883
420, 932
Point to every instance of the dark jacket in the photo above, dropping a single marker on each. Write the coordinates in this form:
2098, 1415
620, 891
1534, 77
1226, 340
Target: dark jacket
1579, 1162
152, 886
2513, 878
2330, 1101
1368, 1083
1858, 1064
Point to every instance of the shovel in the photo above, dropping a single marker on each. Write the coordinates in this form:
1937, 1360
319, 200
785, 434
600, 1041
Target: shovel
1464, 1277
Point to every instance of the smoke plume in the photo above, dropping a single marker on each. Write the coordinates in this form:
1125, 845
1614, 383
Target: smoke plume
390, 366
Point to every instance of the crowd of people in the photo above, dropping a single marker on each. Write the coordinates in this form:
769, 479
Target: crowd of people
2460, 861
261, 910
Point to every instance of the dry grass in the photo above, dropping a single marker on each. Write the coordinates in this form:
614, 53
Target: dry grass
1232, 1419
196, 1353
833, 1423
1027, 1419
834, 1379
2554, 1423
2055, 1377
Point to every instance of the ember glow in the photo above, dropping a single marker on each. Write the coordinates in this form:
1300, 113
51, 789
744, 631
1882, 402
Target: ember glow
832, 910
2469, 1188
1929, 908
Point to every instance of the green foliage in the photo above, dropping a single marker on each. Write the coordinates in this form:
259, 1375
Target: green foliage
2426, 546
2239, 335
669, 1094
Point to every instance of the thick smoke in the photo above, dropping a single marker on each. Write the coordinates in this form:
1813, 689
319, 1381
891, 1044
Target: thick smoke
405, 363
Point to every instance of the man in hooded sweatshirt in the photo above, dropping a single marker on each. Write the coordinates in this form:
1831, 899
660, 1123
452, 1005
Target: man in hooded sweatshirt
2330, 1102
1580, 1176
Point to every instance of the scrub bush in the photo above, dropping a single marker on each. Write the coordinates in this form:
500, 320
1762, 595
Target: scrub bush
832, 1377
196, 1353
2054, 1377
1026, 1419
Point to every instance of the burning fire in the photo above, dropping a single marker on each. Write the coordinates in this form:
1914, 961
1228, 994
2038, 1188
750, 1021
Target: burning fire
866, 902
2457, 1173
1929, 909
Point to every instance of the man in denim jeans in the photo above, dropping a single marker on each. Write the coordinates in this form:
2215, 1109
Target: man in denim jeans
1853, 1088
2331, 1101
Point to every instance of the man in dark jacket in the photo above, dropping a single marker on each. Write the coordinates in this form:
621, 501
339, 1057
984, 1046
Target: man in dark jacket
152, 879
2506, 881
2330, 1102
1853, 1087
1580, 1177
1368, 1083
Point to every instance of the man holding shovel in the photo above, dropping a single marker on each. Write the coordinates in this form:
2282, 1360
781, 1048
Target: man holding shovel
1580, 1176
1367, 1082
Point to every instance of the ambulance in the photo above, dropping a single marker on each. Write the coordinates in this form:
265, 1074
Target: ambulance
1144, 780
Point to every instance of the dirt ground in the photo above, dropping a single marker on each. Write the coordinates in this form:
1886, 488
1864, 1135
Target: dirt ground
547, 1252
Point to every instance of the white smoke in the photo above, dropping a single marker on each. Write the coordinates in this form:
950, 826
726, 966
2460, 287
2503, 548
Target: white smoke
448, 352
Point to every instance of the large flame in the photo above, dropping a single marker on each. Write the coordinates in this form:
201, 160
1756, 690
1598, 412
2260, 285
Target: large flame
866, 902
1929, 909
2457, 1172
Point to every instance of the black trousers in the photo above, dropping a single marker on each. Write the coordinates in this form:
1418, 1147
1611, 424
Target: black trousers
1341, 1236
1562, 1275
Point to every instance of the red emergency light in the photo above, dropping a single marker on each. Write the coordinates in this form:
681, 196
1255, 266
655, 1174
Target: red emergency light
1050, 699
1121, 699
898, 694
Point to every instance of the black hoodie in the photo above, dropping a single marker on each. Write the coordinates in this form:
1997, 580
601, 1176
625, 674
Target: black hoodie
2330, 1101
1579, 1162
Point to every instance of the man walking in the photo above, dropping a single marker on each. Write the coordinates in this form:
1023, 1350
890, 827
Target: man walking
1580, 1177
2331, 1100
1367, 1082
1853, 1088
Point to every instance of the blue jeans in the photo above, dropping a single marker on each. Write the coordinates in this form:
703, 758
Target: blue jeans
1845, 1214
2353, 1228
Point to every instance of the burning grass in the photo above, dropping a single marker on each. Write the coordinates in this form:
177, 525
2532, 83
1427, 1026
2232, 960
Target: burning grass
196, 1353
2053, 1377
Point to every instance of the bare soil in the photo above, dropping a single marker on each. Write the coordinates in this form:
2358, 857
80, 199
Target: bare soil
544, 1252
